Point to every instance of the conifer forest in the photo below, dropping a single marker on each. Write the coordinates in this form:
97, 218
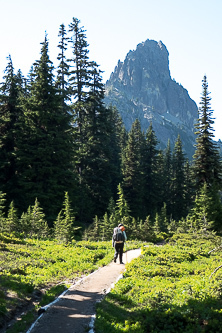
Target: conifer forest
69, 168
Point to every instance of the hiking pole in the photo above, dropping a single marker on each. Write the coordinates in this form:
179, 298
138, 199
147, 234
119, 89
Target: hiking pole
126, 253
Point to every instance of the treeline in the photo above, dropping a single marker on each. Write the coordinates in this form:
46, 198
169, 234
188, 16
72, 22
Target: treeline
58, 139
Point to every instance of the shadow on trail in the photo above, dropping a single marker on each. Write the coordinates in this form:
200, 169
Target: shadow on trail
70, 314
73, 311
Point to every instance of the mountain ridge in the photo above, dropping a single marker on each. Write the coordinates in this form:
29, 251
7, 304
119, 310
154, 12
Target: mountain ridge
141, 87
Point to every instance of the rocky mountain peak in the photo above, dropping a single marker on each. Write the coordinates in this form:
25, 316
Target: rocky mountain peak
141, 87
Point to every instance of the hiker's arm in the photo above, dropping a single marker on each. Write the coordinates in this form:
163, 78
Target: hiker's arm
124, 234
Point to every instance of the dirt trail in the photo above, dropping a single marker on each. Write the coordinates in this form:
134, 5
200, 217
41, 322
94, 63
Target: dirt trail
72, 313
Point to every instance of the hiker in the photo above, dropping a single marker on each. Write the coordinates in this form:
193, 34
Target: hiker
119, 237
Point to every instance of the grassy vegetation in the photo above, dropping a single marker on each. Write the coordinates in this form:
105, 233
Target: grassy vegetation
35, 272
168, 289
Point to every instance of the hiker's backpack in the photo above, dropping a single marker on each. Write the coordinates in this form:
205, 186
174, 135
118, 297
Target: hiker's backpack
118, 236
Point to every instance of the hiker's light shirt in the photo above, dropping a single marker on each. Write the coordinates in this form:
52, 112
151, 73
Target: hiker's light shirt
124, 234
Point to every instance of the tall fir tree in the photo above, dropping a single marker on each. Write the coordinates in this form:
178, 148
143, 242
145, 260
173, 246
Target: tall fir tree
167, 177
10, 132
80, 71
79, 85
46, 147
118, 138
97, 154
63, 69
133, 170
207, 164
189, 187
150, 177
160, 177
178, 181
92, 129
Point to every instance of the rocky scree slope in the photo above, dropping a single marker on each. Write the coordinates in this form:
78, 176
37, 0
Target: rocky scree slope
141, 87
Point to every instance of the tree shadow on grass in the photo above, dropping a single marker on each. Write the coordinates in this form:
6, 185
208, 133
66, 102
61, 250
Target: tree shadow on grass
13, 293
194, 317
14, 283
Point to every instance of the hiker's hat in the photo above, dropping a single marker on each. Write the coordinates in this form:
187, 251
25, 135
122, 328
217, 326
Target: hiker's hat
120, 225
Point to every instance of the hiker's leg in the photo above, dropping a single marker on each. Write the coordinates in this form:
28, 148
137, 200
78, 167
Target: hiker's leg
117, 248
121, 253
116, 252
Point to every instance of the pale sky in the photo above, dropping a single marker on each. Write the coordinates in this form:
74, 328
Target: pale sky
190, 29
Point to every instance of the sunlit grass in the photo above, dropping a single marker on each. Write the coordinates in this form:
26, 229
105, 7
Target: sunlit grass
32, 266
167, 289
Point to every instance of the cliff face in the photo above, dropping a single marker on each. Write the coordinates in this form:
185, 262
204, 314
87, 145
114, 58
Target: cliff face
141, 87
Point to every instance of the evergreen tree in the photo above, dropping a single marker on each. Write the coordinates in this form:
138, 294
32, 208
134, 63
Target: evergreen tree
178, 181
79, 85
172, 226
46, 147
167, 177
201, 215
92, 129
189, 186
64, 225
33, 223
216, 208
113, 222
10, 131
111, 206
160, 177
80, 73
150, 173
63, 68
147, 232
96, 153
26, 223
207, 165
133, 170
21, 86
118, 138
157, 224
107, 229
164, 218
11, 221
39, 227
2, 210
184, 225
122, 208
29, 81
135, 230
96, 231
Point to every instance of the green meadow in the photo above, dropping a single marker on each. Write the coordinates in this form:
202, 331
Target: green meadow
170, 288
34, 272
173, 287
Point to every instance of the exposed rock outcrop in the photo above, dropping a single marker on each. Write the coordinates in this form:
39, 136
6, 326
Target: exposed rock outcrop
141, 87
